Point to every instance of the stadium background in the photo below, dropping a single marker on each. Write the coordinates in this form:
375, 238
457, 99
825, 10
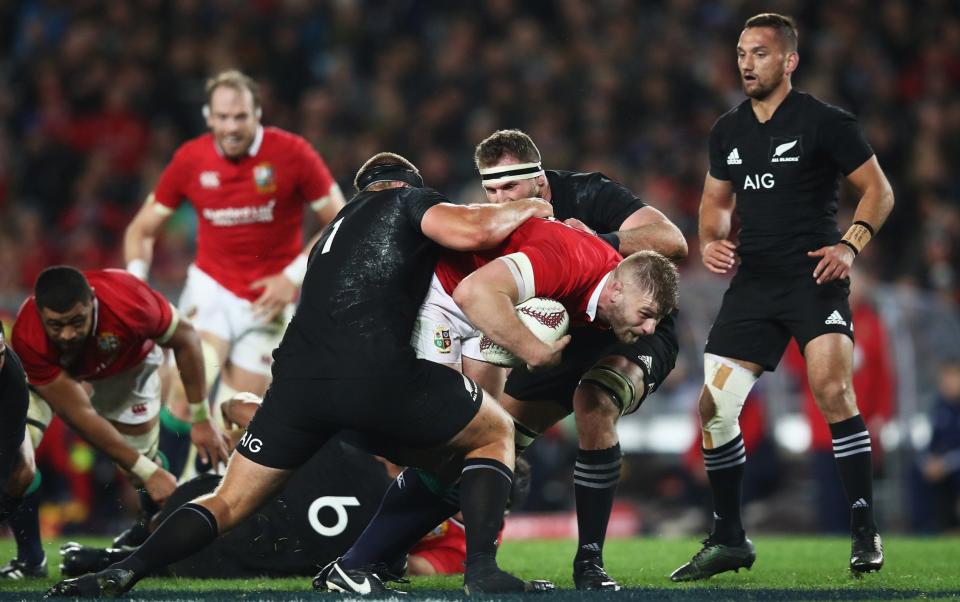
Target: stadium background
96, 95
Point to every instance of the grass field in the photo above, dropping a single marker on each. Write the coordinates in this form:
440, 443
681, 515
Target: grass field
788, 568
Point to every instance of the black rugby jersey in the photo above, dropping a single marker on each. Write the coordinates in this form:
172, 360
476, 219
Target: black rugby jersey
785, 176
366, 278
592, 198
14, 399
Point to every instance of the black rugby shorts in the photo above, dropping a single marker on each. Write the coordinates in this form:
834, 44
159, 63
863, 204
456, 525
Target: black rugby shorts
760, 314
423, 407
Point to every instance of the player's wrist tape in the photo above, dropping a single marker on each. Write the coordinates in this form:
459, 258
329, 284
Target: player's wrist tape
144, 468
611, 239
138, 268
857, 236
199, 411
297, 270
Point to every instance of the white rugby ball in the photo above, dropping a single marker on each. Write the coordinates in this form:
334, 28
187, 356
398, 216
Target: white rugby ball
547, 320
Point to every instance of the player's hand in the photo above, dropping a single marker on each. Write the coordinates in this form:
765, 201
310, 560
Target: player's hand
540, 207
211, 443
278, 292
577, 224
834, 264
719, 256
549, 354
231, 410
160, 485
934, 469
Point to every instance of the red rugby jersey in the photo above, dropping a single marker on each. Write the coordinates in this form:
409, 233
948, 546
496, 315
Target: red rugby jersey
128, 316
568, 264
250, 210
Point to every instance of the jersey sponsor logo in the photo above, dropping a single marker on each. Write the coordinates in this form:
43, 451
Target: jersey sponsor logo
209, 179
108, 342
441, 339
238, 216
734, 157
785, 150
835, 319
339, 504
263, 178
253, 444
758, 181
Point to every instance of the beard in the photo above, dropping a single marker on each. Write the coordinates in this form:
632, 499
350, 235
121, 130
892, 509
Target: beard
761, 90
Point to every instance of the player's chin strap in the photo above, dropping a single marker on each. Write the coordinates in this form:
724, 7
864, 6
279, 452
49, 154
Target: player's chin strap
509, 173
392, 172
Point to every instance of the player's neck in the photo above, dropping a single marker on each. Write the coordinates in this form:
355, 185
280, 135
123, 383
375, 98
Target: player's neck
765, 108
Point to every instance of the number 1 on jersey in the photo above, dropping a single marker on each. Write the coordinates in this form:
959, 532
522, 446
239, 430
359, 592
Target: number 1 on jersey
333, 232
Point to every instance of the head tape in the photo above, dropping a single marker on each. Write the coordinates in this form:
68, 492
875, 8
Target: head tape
509, 173
393, 172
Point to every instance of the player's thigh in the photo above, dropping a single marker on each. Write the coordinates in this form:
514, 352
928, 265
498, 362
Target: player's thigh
440, 327
203, 303
535, 416
245, 487
816, 310
749, 325
489, 377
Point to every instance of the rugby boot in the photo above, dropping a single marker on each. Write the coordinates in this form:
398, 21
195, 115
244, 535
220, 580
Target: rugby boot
714, 558
77, 559
108, 583
493, 580
135, 535
588, 574
866, 551
334, 578
17, 569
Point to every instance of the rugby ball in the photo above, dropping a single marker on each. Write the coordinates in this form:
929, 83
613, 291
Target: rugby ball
545, 318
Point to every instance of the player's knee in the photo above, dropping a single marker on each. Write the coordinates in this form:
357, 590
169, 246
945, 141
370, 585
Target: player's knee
832, 394
727, 385
611, 388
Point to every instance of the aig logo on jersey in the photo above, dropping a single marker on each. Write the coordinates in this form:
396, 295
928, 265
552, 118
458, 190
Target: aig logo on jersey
786, 150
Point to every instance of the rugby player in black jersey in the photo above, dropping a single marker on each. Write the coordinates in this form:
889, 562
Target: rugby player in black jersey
345, 362
775, 159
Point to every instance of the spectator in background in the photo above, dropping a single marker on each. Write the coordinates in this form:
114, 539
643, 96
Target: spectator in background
874, 385
940, 466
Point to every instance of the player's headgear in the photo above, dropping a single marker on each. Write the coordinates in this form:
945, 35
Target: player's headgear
389, 172
509, 173
59, 288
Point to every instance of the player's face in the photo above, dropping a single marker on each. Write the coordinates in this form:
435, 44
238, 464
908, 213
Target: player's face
634, 316
513, 190
233, 120
761, 60
68, 330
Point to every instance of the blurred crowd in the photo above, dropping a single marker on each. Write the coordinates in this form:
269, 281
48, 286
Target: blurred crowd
96, 95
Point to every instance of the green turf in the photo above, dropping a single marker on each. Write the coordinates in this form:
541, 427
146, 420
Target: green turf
788, 568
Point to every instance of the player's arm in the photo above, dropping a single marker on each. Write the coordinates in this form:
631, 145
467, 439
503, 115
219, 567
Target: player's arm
481, 226
649, 229
487, 297
183, 340
876, 203
716, 213
140, 235
68, 399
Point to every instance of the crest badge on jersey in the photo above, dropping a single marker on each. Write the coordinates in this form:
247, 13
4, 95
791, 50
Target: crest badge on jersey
108, 342
441, 339
786, 149
263, 177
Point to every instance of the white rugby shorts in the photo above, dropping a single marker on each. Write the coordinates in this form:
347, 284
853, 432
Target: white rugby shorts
442, 334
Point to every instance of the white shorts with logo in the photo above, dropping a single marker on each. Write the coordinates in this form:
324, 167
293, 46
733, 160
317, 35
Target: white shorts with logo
214, 309
442, 333
133, 396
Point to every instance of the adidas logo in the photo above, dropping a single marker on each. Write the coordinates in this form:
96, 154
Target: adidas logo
835, 318
734, 158
860, 503
647, 361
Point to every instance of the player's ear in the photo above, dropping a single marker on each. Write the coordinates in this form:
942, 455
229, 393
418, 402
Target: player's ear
205, 111
259, 113
792, 62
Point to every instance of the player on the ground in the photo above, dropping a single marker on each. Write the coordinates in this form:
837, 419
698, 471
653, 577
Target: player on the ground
248, 185
105, 328
775, 159
19, 478
346, 363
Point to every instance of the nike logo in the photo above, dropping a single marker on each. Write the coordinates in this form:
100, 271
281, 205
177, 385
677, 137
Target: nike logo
784, 148
359, 588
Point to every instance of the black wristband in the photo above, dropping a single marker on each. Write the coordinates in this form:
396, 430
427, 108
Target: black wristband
611, 239
850, 244
867, 226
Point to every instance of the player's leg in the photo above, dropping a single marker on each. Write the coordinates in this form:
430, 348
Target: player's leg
20, 495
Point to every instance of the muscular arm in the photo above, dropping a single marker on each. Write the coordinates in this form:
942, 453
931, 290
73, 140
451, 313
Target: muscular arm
140, 235
71, 403
716, 212
648, 228
476, 227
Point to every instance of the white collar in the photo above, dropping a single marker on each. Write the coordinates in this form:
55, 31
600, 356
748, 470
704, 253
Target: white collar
595, 297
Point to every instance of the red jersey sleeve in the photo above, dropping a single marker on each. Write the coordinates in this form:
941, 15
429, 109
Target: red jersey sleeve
170, 189
30, 341
315, 178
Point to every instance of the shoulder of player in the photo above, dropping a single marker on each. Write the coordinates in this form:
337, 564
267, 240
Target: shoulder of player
277, 138
117, 289
561, 181
814, 107
25, 324
730, 118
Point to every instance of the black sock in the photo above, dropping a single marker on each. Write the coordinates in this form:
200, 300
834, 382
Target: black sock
725, 470
484, 488
409, 510
851, 451
148, 507
25, 525
187, 530
595, 480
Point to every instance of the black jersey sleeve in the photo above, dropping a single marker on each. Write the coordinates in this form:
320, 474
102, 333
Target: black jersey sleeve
14, 399
718, 159
843, 140
416, 202
613, 204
